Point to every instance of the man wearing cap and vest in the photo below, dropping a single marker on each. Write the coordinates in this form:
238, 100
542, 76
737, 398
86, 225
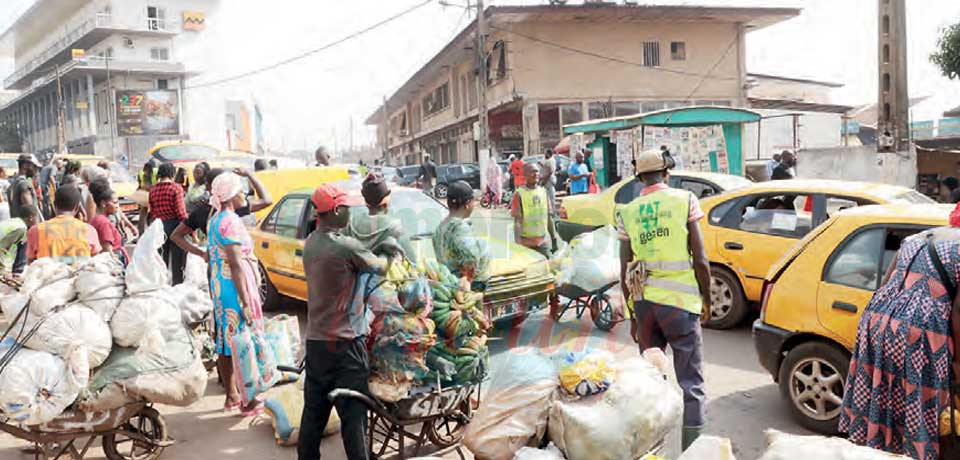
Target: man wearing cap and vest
64, 238
533, 219
665, 271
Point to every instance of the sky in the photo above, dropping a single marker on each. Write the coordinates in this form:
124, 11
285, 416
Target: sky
313, 100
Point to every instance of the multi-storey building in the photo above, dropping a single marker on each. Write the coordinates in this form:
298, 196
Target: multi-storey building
118, 67
549, 66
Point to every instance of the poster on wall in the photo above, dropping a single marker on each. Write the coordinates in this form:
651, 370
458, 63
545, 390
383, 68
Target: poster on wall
693, 148
145, 113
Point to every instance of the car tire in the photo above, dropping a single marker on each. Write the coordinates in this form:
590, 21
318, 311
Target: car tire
728, 306
269, 295
817, 403
440, 190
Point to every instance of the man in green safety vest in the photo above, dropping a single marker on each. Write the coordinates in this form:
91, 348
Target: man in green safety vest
533, 219
665, 271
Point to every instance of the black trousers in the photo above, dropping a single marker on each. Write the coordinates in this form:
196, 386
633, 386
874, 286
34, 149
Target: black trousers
173, 255
20, 260
332, 365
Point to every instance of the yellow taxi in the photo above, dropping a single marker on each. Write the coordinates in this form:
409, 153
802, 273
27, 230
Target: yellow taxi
122, 181
8, 161
281, 182
746, 230
587, 212
186, 155
521, 278
814, 296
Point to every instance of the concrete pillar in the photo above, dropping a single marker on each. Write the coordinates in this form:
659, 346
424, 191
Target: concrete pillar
531, 128
741, 65
91, 108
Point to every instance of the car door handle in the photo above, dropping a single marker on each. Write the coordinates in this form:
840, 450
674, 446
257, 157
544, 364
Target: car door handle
265, 245
298, 252
845, 307
733, 246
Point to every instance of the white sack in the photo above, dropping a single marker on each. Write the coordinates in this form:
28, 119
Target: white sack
594, 260
146, 271
195, 304
623, 423
550, 453
110, 397
195, 273
53, 295
75, 328
709, 448
11, 305
509, 419
36, 386
42, 272
782, 446
100, 285
179, 388
145, 321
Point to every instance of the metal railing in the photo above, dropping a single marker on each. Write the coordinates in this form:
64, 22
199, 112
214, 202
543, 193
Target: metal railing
99, 20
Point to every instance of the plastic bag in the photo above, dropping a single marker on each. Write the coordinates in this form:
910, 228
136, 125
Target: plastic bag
594, 260
35, 387
75, 328
146, 271
587, 373
100, 285
145, 321
283, 334
285, 408
253, 364
626, 421
195, 304
195, 273
50, 296
709, 448
514, 411
551, 452
782, 446
41, 273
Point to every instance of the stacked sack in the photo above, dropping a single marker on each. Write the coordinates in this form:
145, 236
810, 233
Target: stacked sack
97, 337
401, 332
461, 352
591, 260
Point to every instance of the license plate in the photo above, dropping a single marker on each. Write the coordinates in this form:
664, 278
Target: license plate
507, 309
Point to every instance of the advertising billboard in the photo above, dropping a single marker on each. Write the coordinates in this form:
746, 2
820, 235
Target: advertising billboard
147, 112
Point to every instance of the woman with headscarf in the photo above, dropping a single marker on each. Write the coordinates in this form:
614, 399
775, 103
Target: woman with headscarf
197, 193
904, 361
234, 279
495, 180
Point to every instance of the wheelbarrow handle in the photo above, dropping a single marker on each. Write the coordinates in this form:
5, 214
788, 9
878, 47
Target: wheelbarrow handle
295, 370
345, 393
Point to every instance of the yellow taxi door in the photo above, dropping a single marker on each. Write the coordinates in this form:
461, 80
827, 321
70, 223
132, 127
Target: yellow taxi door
281, 247
751, 238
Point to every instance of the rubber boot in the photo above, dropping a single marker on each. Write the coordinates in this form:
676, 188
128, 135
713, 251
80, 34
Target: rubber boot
688, 435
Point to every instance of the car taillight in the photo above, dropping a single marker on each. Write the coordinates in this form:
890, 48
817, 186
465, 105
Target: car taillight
563, 212
765, 299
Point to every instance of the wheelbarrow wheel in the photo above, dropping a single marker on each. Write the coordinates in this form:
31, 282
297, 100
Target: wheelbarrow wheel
448, 430
602, 312
150, 432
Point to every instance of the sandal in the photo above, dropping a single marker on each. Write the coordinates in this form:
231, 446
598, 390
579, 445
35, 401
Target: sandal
252, 412
228, 407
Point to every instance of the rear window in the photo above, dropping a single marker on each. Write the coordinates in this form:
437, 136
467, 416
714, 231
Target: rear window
913, 197
186, 152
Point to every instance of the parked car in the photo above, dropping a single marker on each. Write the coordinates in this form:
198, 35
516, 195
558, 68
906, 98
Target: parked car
186, 155
450, 173
748, 229
585, 213
407, 175
814, 296
521, 278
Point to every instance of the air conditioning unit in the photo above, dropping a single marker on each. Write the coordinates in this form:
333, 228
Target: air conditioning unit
128, 42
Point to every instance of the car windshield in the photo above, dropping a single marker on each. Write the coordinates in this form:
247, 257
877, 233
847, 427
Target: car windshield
120, 174
186, 152
9, 165
913, 197
729, 182
419, 214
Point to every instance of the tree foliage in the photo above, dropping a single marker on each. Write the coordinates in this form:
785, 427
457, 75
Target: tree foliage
947, 57
10, 140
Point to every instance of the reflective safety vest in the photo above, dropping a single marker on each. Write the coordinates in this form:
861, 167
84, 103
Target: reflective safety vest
64, 239
535, 212
657, 226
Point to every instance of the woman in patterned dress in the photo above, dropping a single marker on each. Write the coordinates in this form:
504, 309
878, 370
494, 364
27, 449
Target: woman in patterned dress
453, 241
903, 362
233, 280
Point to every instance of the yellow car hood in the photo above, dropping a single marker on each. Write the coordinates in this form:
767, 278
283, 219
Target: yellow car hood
506, 258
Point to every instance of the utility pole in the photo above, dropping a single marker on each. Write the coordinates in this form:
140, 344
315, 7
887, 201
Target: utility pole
893, 104
61, 118
385, 150
483, 143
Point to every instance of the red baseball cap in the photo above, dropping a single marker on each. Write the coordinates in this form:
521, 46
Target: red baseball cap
328, 196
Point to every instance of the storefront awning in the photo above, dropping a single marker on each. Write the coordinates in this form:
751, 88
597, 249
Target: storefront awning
679, 117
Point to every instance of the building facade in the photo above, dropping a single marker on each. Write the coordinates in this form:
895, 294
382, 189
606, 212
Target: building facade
101, 76
548, 66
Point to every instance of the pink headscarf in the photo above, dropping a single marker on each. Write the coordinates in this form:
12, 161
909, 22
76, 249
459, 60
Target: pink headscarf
224, 187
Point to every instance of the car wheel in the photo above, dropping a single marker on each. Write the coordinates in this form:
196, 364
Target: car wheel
728, 307
269, 296
440, 191
812, 377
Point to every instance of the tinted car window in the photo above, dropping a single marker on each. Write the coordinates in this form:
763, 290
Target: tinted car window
286, 218
720, 210
699, 189
784, 215
629, 192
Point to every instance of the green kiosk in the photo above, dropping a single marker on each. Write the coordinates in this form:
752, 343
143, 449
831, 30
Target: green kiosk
702, 138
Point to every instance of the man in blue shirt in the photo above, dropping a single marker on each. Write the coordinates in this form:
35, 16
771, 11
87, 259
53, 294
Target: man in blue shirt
579, 176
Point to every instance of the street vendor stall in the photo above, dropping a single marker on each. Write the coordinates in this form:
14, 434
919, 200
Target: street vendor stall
700, 138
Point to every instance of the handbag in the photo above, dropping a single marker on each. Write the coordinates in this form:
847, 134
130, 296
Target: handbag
949, 438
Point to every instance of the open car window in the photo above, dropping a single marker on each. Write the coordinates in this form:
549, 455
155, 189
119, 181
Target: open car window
788, 216
285, 219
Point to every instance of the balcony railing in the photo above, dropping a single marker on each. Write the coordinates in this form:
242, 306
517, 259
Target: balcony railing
99, 20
